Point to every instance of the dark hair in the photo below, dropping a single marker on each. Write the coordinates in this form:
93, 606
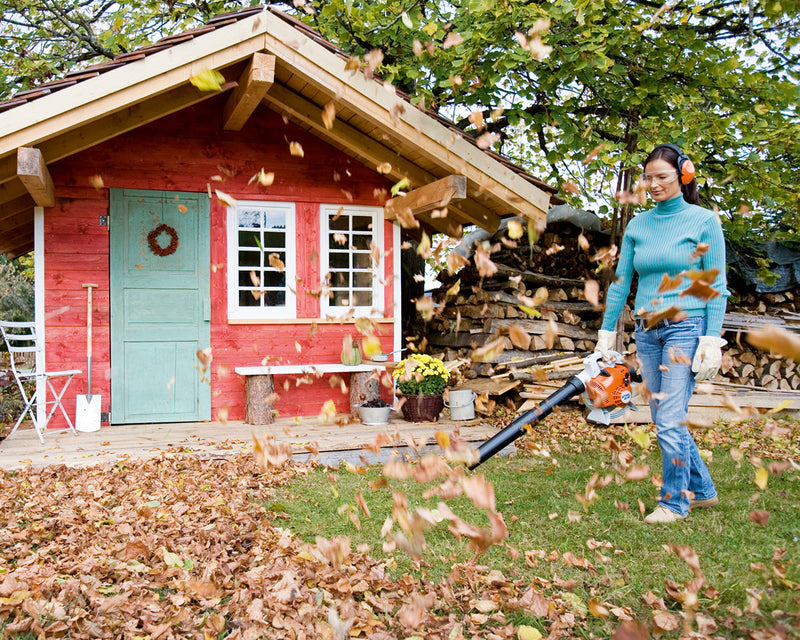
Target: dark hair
669, 154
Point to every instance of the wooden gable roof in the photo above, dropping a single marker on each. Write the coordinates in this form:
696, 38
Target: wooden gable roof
263, 55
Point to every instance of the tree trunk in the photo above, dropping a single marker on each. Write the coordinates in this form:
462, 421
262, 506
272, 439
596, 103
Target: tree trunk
259, 392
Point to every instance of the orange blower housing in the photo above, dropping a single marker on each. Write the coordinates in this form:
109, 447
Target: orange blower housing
611, 388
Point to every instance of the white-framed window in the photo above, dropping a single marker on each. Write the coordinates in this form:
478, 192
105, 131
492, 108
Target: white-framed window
351, 262
262, 261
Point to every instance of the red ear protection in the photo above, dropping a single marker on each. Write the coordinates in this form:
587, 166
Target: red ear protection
685, 165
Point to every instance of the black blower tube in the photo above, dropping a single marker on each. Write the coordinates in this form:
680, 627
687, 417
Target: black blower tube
500, 441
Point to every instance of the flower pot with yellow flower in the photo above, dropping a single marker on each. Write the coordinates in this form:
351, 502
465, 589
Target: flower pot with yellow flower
421, 379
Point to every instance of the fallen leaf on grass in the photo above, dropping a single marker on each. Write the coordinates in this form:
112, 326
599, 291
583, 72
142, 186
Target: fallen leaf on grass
759, 517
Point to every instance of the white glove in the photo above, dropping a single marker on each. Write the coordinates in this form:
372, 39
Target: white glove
708, 357
606, 344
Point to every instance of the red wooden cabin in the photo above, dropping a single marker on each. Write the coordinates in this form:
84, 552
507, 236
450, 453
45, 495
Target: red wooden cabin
245, 221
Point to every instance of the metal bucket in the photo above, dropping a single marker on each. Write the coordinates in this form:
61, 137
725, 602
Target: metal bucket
461, 403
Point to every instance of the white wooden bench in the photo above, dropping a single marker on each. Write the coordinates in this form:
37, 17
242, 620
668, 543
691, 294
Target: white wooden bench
259, 386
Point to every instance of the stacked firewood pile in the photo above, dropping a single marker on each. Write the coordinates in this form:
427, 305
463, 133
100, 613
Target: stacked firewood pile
534, 313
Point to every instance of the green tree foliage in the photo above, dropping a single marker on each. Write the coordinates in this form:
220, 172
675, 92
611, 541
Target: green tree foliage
575, 90
16, 289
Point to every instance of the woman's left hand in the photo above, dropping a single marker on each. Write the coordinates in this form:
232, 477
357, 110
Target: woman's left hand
708, 357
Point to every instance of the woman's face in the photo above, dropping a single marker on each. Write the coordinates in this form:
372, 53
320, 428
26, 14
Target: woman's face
662, 180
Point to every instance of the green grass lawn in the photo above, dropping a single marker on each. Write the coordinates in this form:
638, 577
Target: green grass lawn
751, 570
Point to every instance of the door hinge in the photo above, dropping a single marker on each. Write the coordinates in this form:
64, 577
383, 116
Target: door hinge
105, 416
103, 221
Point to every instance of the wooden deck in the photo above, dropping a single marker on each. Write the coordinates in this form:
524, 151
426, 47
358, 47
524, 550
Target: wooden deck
214, 439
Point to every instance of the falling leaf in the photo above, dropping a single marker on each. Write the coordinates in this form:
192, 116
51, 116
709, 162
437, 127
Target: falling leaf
296, 149
591, 291
759, 517
265, 179
515, 229
702, 248
384, 168
761, 478
398, 186
486, 140
374, 58
442, 439
225, 199
329, 115
486, 268
208, 80
652, 318
570, 187
371, 346
327, 413
777, 341
425, 308
97, 181
668, 283
700, 290
452, 40
275, 262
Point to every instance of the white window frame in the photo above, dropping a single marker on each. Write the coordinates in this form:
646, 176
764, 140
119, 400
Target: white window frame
327, 309
287, 311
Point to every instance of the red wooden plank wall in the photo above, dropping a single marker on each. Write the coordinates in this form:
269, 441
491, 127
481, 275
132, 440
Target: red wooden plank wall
189, 151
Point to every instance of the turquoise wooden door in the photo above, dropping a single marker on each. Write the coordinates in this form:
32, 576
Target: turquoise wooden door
160, 306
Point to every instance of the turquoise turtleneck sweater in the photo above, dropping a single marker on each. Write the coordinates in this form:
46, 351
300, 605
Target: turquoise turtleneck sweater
662, 240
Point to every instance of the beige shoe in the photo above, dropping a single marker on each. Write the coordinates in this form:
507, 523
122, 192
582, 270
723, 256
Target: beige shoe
704, 504
662, 515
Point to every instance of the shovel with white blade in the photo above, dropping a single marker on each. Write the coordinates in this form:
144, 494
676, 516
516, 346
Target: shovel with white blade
87, 411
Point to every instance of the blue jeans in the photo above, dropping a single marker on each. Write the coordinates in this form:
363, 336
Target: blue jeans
666, 355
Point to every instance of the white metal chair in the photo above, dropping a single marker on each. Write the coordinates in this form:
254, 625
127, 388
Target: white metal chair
23, 344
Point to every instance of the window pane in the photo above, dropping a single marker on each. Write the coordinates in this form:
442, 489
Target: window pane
340, 299
249, 239
362, 279
250, 218
247, 299
362, 261
339, 260
340, 279
362, 242
274, 298
245, 279
362, 299
342, 223
274, 279
339, 241
275, 220
362, 223
274, 240
249, 258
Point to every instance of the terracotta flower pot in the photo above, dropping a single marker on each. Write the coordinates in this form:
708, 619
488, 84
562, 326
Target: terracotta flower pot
422, 408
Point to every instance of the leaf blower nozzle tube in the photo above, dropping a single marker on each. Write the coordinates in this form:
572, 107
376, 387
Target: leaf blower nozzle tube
573, 387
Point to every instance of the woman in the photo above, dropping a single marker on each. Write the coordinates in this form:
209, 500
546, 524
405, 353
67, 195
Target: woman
675, 237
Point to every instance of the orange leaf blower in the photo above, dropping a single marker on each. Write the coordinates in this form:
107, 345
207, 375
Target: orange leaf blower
607, 392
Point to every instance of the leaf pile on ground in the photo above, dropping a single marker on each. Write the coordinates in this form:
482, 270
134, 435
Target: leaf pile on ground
765, 436
178, 547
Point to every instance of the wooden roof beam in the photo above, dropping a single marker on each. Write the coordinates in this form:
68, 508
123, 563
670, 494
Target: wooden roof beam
254, 83
22, 244
23, 203
435, 195
15, 225
33, 173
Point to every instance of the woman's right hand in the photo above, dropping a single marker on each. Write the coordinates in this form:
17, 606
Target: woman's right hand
606, 345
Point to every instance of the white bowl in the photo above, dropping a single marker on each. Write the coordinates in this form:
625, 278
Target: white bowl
380, 357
